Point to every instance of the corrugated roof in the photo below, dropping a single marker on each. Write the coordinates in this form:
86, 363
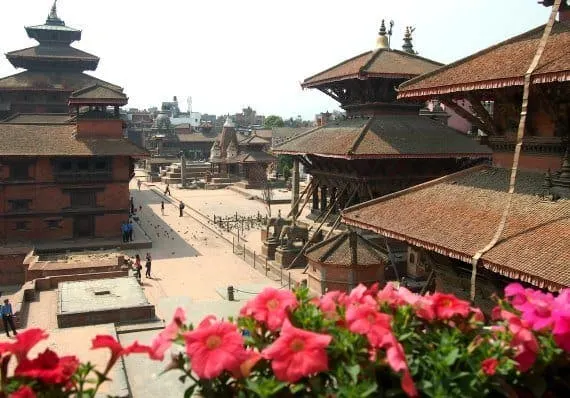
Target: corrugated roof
31, 140
501, 65
384, 136
337, 251
379, 63
458, 215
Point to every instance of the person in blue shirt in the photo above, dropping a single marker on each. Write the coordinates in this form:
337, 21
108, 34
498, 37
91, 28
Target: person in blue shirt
124, 231
130, 231
8, 317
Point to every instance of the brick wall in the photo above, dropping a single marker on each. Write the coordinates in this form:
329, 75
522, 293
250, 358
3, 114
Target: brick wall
12, 268
327, 278
100, 128
528, 161
120, 315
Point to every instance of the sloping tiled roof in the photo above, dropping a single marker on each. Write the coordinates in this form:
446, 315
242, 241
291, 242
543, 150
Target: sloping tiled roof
197, 137
30, 140
98, 93
39, 118
53, 52
337, 251
501, 65
458, 215
60, 81
254, 139
379, 63
255, 157
383, 136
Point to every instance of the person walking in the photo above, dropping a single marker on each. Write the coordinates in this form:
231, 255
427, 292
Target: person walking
181, 208
8, 318
162, 207
138, 267
139, 183
147, 265
167, 190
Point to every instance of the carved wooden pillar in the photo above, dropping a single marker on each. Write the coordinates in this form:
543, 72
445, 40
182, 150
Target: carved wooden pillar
315, 196
323, 198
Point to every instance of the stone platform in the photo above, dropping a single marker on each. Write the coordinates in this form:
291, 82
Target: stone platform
102, 301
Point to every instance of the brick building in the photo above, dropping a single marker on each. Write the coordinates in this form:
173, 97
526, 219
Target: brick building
447, 222
63, 174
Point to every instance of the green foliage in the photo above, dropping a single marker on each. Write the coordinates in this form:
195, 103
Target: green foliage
273, 121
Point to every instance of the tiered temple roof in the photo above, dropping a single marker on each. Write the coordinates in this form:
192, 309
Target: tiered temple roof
386, 136
457, 215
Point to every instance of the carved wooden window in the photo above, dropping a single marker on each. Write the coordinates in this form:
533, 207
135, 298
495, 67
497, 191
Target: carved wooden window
19, 204
82, 199
53, 223
22, 225
19, 171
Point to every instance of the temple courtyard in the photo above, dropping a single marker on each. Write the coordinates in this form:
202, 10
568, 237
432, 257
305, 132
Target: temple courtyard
192, 265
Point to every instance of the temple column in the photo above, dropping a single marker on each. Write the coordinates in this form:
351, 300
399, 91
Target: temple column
315, 196
295, 188
333, 196
323, 198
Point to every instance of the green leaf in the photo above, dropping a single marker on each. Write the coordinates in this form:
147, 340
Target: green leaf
189, 391
353, 371
451, 357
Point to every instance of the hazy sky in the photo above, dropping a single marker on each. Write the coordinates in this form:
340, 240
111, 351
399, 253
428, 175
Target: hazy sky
231, 54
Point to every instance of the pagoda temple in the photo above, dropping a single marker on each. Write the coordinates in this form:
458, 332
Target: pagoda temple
65, 165
240, 159
383, 145
53, 70
449, 223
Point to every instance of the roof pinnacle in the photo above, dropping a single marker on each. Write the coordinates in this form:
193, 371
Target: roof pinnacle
408, 46
52, 18
383, 40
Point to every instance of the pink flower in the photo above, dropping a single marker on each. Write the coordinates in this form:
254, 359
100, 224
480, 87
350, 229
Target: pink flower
446, 306
329, 303
523, 342
396, 358
213, 347
297, 353
48, 367
537, 310
163, 341
361, 295
517, 294
23, 392
270, 306
117, 350
368, 321
25, 341
251, 359
489, 366
561, 330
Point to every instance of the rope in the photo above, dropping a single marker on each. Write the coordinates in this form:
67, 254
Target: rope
520, 136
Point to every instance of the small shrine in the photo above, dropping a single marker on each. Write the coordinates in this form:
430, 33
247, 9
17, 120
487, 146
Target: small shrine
344, 261
243, 161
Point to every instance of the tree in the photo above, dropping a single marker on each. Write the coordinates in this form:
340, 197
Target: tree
273, 121
284, 162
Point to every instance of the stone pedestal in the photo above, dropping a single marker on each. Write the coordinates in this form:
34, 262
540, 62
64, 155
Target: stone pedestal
268, 249
285, 256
